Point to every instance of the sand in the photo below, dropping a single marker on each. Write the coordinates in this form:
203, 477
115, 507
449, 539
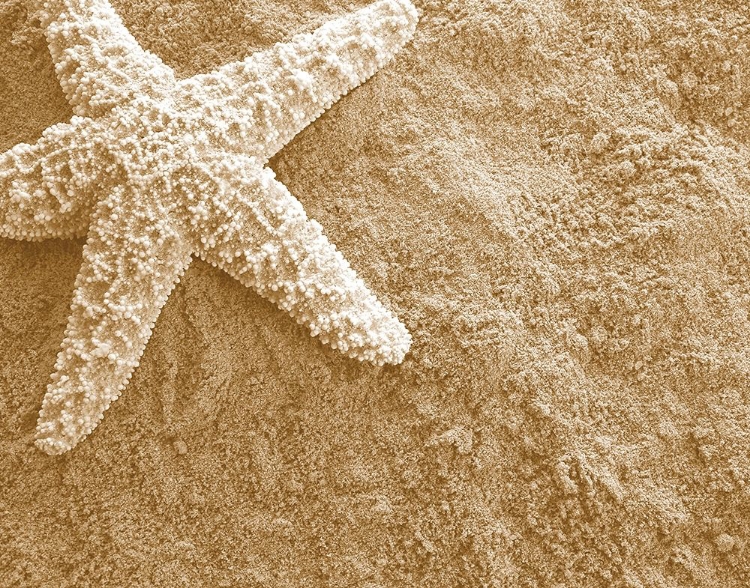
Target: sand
553, 196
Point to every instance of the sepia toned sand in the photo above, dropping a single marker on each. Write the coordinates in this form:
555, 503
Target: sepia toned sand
553, 196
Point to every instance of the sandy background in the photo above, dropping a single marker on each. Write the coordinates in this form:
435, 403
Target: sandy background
554, 196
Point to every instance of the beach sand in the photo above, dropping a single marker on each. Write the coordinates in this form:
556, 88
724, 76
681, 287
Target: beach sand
553, 196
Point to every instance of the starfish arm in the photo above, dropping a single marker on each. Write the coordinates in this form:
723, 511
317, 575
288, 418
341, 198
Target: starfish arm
48, 189
266, 241
98, 62
269, 97
132, 260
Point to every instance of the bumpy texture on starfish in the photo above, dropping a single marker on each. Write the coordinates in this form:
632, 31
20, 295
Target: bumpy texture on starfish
153, 170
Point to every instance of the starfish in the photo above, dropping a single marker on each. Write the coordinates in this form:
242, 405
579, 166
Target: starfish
154, 170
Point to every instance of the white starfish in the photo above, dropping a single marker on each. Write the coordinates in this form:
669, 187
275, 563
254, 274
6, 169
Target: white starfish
154, 170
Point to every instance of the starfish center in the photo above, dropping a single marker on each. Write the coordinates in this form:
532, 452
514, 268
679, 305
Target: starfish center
150, 138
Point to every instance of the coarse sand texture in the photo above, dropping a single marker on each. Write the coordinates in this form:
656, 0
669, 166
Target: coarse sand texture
547, 207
